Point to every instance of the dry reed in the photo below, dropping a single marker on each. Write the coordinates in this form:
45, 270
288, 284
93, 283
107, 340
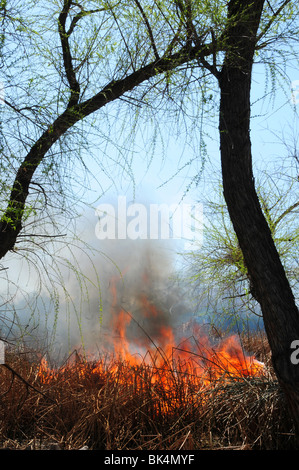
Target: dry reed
121, 407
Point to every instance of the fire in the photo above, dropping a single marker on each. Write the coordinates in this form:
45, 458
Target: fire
194, 362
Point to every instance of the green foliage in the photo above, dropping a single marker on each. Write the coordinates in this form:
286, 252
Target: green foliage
217, 270
49, 65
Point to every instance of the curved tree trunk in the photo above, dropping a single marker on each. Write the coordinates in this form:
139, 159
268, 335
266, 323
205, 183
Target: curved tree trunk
11, 220
268, 279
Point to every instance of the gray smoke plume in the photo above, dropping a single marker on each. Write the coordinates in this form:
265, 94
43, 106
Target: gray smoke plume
137, 280
141, 284
135, 277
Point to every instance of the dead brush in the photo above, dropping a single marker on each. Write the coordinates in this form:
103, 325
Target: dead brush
249, 414
110, 404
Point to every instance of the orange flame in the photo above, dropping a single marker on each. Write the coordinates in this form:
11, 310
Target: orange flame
194, 359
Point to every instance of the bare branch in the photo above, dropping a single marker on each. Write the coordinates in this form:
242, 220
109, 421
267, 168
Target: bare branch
81, 15
286, 212
67, 57
11, 221
150, 32
273, 18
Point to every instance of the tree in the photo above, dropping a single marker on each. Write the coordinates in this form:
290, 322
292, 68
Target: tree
51, 89
267, 276
133, 67
217, 270
105, 51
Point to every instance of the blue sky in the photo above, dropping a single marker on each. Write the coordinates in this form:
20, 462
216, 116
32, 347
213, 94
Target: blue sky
271, 121
273, 118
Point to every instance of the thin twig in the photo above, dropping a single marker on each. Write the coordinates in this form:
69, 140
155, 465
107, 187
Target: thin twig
27, 383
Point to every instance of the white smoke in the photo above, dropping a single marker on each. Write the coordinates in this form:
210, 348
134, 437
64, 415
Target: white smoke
128, 271
83, 316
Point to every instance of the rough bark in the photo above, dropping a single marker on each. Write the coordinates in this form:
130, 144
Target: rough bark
269, 282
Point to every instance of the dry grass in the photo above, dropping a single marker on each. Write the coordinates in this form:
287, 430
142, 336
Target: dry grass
121, 407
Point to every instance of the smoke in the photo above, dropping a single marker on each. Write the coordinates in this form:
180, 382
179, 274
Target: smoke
138, 279
135, 277
147, 290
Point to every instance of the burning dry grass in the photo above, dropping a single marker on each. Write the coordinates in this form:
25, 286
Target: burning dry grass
112, 404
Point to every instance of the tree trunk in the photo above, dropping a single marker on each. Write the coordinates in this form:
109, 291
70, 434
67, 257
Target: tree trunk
269, 282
